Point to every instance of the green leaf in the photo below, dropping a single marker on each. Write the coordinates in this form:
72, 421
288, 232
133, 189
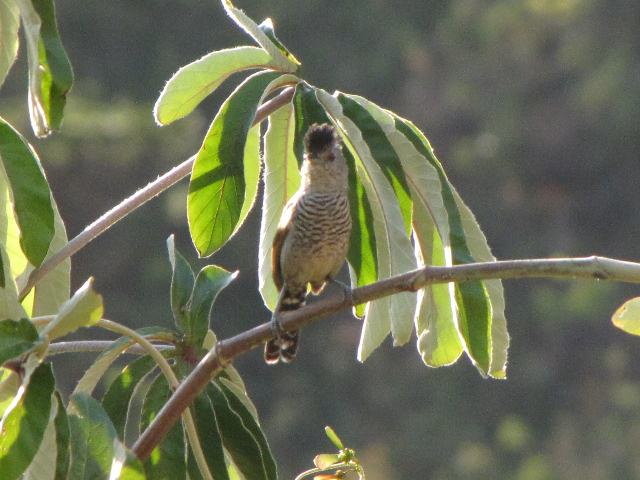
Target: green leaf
194, 82
22, 427
267, 28
16, 338
209, 283
83, 309
9, 25
627, 316
382, 150
474, 307
243, 439
182, 280
481, 253
50, 74
30, 192
43, 464
167, 460
62, 440
435, 319
94, 373
281, 181
333, 436
96, 450
47, 297
207, 426
217, 199
9, 385
282, 59
116, 400
438, 340
394, 249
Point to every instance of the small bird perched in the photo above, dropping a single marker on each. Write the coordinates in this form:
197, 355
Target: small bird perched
312, 238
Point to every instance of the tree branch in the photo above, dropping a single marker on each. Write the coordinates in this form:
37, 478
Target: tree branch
142, 196
595, 268
58, 348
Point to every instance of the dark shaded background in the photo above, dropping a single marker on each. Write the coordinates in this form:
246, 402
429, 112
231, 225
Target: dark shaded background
533, 108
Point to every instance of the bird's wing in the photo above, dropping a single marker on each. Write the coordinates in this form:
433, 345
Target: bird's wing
284, 226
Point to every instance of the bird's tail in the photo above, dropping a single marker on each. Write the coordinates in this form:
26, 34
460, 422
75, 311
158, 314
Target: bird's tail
285, 347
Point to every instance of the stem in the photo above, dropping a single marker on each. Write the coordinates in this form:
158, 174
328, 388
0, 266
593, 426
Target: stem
167, 371
598, 268
142, 196
96, 346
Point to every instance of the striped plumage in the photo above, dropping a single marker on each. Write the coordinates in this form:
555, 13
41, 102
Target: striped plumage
312, 239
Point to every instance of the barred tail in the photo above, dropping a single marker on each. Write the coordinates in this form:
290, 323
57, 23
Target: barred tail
285, 347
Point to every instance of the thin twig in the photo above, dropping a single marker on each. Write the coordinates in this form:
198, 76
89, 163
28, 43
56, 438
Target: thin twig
595, 268
128, 205
58, 348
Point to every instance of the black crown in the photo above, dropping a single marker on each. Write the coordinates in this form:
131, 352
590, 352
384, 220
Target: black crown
319, 137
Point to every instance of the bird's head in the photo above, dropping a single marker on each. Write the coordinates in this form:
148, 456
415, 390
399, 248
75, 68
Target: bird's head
324, 168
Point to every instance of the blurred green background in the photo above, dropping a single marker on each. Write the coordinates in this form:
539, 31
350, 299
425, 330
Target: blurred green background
534, 109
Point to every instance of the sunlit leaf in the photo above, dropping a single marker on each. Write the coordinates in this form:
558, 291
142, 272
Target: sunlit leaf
282, 59
16, 338
207, 426
43, 465
94, 373
25, 421
167, 460
281, 181
394, 249
333, 436
96, 450
9, 385
217, 198
627, 316
83, 309
30, 193
9, 25
50, 74
472, 299
243, 439
117, 397
182, 280
194, 82
211, 280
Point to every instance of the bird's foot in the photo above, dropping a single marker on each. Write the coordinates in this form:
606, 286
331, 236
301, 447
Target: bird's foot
346, 289
276, 328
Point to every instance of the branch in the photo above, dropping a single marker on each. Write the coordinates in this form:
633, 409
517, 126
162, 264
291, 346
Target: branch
58, 348
142, 196
595, 268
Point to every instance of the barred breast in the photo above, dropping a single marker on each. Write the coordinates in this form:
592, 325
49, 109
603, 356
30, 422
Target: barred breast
318, 242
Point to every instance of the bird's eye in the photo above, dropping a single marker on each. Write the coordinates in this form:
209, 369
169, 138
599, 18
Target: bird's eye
331, 157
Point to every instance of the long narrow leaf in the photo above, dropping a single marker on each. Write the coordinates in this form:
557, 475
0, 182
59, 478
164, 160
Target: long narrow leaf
50, 74
30, 192
474, 306
43, 465
24, 423
209, 283
182, 280
167, 460
194, 82
281, 181
394, 249
62, 440
84, 309
9, 25
217, 199
117, 397
436, 312
282, 59
206, 420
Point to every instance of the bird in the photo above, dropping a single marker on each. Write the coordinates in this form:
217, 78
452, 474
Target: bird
312, 238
